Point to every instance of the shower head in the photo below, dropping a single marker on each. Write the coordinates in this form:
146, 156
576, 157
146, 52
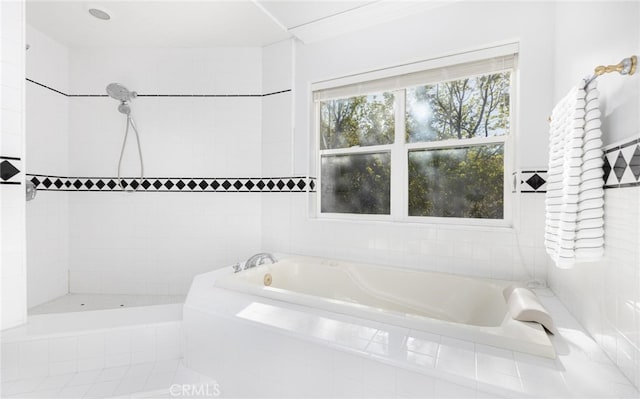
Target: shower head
119, 92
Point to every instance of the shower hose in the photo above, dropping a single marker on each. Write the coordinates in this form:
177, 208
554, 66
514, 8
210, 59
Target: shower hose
124, 144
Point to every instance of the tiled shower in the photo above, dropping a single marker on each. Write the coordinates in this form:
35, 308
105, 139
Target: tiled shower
229, 169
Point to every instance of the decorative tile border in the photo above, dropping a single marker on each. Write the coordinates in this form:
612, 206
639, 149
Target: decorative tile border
529, 181
622, 165
621, 169
175, 184
10, 168
533, 181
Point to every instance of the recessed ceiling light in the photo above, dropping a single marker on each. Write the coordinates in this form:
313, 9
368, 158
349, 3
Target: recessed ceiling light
100, 14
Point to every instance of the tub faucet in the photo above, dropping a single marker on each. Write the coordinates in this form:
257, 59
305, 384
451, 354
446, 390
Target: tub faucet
258, 259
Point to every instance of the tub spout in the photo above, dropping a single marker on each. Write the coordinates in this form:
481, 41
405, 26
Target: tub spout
259, 259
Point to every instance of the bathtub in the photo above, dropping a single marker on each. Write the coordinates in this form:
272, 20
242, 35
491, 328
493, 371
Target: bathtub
466, 308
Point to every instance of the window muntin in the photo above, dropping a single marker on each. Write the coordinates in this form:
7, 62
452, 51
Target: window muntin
487, 81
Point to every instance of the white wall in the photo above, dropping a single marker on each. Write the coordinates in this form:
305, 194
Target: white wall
47, 121
604, 295
277, 73
12, 210
154, 243
494, 252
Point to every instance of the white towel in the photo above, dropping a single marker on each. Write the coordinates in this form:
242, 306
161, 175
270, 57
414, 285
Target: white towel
574, 230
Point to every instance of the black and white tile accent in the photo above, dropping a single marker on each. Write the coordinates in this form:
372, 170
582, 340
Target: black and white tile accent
622, 165
621, 169
175, 184
533, 181
10, 168
529, 181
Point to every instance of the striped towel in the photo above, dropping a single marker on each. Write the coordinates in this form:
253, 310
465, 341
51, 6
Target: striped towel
574, 229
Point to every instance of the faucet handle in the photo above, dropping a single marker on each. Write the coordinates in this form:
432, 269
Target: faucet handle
237, 267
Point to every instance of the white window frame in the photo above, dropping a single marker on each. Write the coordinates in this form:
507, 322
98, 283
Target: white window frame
399, 150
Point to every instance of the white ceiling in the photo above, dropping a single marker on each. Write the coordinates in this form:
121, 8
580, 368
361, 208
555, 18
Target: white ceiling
138, 23
187, 23
296, 13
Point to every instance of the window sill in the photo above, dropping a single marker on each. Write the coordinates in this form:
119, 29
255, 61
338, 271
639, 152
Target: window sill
416, 222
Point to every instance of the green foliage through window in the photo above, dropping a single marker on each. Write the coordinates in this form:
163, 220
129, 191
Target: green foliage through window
457, 182
463, 181
358, 183
357, 121
459, 109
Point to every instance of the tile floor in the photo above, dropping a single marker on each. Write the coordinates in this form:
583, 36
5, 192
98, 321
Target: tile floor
145, 380
84, 302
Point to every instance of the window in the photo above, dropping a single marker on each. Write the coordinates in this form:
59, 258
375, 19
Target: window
356, 134
425, 144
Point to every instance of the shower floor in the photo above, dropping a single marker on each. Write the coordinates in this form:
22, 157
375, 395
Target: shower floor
86, 302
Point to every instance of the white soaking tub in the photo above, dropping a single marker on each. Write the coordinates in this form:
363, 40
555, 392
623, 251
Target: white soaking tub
461, 307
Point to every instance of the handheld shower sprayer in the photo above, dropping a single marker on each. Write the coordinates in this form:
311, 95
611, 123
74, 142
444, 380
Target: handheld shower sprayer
122, 94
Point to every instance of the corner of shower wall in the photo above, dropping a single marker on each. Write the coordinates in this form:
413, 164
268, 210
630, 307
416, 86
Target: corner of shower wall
277, 142
47, 148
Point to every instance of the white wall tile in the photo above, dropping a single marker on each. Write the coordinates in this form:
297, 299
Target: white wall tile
209, 137
168, 341
473, 251
12, 23
34, 352
63, 367
609, 316
276, 135
63, 349
91, 363
13, 274
117, 359
12, 49
91, 345
46, 119
117, 342
11, 99
47, 247
12, 131
162, 246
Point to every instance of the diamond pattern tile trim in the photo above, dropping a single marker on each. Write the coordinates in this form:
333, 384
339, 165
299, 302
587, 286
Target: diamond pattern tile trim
607, 169
626, 164
619, 166
177, 184
8, 170
533, 181
634, 163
